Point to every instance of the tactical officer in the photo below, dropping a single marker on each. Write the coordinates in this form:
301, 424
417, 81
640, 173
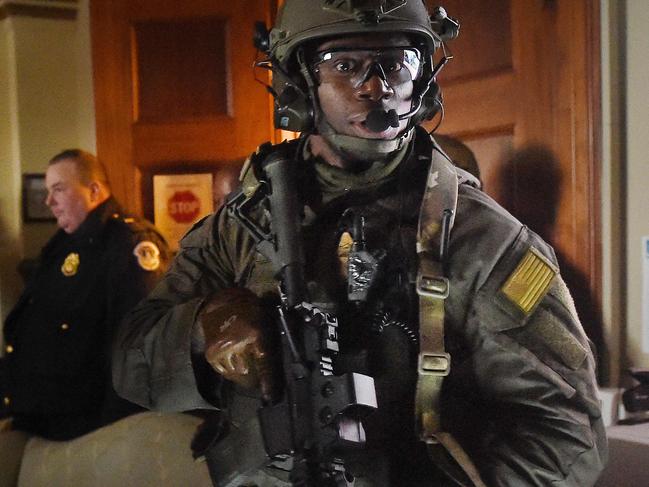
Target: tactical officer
94, 269
481, 371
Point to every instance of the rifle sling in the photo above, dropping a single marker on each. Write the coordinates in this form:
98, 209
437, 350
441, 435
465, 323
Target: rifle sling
435, 222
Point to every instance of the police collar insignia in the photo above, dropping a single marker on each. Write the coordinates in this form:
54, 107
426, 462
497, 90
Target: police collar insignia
70, 264
148, 255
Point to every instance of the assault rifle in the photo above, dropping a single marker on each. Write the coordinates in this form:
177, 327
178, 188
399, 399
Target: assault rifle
319, 414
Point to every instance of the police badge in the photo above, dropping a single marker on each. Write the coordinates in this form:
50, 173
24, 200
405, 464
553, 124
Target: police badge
70, 264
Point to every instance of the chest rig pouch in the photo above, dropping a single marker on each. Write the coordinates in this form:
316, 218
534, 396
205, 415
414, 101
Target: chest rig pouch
436, 219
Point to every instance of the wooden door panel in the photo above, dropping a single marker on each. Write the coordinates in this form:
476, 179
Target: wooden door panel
479, 105
522, 92
174, 85
485, 42
179, 71
534, 65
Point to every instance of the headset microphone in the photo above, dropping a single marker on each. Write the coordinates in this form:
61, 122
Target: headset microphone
380, 120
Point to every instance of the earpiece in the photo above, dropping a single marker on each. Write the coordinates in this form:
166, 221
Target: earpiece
431, 103
292, 108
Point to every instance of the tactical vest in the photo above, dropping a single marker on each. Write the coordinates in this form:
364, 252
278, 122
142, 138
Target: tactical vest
436, 218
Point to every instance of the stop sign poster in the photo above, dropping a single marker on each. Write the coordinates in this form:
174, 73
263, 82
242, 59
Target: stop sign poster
179, 201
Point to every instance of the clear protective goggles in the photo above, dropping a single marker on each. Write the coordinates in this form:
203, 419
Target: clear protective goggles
394, 65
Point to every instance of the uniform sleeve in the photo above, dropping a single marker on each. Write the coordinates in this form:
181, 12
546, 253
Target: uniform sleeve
152, 358
137, 263
533, 376
136, 259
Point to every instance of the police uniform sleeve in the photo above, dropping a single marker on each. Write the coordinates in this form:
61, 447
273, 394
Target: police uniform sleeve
137, 261
152, 360
533, 384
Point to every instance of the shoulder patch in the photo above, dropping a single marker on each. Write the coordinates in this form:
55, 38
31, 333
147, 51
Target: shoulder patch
148, 255
530, 281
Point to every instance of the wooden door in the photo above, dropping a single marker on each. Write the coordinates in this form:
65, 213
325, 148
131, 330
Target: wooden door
175, 89
522, 92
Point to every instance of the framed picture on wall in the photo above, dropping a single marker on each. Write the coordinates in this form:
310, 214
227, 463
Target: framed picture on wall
34, 194
179, 200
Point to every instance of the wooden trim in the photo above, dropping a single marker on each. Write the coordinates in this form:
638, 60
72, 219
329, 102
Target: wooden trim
594, 63
579, 38
58, 12
594, 106
113, 98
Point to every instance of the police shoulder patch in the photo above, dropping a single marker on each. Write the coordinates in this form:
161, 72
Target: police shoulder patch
530, 281
148, 255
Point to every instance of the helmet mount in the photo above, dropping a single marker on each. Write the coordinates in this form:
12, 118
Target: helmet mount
363, 11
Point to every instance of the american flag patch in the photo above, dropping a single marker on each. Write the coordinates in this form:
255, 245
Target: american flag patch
530, 281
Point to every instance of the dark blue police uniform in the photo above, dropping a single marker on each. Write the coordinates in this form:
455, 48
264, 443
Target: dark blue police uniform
58, 337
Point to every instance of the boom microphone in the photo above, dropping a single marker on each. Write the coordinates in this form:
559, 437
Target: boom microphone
379, 120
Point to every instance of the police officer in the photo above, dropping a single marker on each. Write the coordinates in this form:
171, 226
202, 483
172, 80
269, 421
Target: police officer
483, 374
57, 338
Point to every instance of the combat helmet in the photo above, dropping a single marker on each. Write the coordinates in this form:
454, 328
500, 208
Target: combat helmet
303, 22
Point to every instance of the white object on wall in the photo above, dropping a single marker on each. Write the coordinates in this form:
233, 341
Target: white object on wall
179, 200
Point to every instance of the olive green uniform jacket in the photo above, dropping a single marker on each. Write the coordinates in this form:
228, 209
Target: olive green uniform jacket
521, 396
58, 337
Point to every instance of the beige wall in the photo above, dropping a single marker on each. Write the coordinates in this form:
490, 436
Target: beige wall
9, 170
46, 94
637, 177
625, 177
612, 184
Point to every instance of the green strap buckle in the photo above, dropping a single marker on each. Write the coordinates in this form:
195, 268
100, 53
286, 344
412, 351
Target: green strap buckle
433, 286
436, 364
